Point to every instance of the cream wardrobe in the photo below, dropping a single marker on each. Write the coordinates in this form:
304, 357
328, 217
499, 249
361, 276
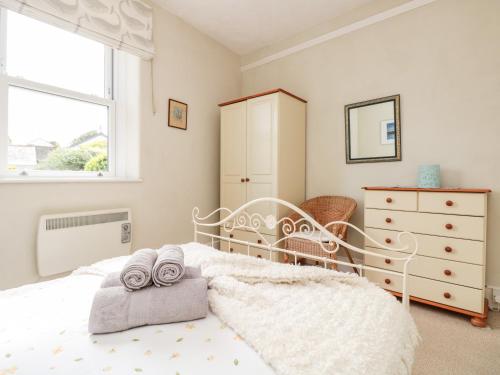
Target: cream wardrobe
262, 155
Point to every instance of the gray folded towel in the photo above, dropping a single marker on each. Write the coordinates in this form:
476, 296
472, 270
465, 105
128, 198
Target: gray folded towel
114, 309
113, 279
169, 266
136, 273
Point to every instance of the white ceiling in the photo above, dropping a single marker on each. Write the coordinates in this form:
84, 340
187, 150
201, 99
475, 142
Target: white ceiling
245, 26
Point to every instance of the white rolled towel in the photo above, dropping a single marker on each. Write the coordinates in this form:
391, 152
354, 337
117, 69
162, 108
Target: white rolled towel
169, 266
136, 273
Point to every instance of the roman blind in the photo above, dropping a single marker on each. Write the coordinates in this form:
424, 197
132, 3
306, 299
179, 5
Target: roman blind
121, 24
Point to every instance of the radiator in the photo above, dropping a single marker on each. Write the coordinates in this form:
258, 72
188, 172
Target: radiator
68, 241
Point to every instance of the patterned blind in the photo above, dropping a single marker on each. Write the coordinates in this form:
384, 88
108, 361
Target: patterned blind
121, 24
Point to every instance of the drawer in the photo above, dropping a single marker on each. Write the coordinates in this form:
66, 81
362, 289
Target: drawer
383, 280
244, 249
473, 204
447, 294
466, 274
454, 249
467, 227
391, 200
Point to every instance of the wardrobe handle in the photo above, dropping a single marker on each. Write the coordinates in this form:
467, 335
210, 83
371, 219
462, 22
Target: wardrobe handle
259, 241
388, 261
388, 240
242, 179
446, 295
231, 235
388, 220
259, 256
388, 200
387, 281
449, 226
448, 249
231, 250
449, 203
247, 179
447, 272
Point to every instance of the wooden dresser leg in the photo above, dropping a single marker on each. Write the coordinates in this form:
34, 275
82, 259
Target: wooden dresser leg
479, 322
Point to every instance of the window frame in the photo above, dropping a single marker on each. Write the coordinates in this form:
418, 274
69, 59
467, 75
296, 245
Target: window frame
6, 81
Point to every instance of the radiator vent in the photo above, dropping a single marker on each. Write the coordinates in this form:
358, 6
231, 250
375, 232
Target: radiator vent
70, 240
80, 221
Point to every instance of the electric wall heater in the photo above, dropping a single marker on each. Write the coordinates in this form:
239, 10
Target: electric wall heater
68, 241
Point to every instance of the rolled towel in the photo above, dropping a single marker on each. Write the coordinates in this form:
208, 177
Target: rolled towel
113, 279
169, 266
136, 273
114, 309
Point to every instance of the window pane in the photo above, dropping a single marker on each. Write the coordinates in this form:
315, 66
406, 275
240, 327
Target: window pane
49, 132
46, 54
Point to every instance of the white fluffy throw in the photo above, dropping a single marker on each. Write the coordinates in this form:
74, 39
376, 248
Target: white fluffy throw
309, 320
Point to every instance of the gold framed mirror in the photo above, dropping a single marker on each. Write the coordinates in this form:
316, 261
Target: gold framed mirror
373, 130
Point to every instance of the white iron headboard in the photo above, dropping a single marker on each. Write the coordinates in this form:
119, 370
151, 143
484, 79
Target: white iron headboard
308, 228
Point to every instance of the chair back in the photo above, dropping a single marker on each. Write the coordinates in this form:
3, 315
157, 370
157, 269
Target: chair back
326, 209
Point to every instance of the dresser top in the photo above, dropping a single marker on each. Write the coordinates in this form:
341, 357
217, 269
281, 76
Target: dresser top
274, 91
438, 190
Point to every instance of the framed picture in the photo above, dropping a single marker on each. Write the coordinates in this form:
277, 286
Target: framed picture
387, 132
177, 114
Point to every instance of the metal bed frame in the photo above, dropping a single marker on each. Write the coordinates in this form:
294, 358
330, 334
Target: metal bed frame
308, 228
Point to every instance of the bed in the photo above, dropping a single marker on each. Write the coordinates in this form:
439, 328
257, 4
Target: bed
43, 329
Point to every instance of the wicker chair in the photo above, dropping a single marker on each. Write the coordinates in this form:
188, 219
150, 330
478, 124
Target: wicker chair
324, 210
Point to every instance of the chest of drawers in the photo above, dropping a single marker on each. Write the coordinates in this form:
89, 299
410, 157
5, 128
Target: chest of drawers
450, 226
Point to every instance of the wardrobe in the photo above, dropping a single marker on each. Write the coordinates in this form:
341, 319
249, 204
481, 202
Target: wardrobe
263, 146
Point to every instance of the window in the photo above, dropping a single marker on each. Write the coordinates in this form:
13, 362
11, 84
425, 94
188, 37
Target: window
57, 102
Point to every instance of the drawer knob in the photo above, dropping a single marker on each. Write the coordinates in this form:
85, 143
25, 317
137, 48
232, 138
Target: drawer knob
259, 256
231, 250
447, 272
388, 261
388, 200
242, 179
231, 235
388, 220
247, 179
446, 295
387, 281
388, 240
259, 241
449, 203
448, 226
448, 249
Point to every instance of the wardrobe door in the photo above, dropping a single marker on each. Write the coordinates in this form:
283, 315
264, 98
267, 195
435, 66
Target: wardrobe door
261, 151
233, 155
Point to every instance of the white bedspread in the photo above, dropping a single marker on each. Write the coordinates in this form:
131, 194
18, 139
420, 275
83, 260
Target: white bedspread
310, 320
43, 330
343, 325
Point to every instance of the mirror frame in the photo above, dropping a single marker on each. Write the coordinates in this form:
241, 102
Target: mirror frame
397, 120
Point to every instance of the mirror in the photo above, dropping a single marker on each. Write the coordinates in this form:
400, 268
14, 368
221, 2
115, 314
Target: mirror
373, 131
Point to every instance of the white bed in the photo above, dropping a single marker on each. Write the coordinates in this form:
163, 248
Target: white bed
43, 330
289, 320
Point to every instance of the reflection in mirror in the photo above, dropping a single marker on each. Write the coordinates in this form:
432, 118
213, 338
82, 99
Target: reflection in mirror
373, 131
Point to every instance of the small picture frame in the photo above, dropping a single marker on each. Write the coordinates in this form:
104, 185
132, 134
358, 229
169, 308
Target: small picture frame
387, 132
177, 114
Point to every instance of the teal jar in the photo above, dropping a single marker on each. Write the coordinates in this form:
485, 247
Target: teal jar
429, 176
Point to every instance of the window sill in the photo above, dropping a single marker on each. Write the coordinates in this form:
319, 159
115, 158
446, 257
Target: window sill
62, 180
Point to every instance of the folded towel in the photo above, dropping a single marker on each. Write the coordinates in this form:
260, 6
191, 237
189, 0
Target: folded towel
169, 266
136, 273
113, 279
114, 309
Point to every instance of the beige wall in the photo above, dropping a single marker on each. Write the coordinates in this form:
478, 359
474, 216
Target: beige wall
444, 60
180, 169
